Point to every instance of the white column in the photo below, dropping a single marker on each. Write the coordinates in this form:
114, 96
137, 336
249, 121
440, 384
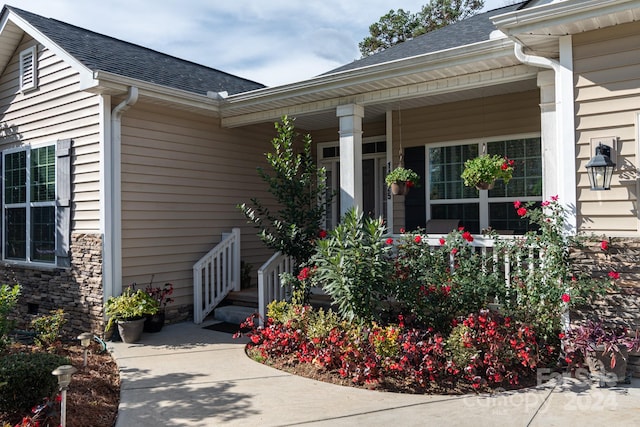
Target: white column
350, 156
551, 174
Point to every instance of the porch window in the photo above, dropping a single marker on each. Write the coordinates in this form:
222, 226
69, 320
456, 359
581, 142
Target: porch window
448, 198
29, 204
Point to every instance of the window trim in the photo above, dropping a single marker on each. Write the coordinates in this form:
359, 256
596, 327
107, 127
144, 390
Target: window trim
29, 56
28, 205
483, 198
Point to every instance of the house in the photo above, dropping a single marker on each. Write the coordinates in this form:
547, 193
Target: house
158, 157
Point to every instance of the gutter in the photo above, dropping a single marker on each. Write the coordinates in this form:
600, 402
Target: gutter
113, 199
563, 145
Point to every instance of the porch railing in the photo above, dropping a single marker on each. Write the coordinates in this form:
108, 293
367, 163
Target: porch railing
215, 275
522, 262
269, 285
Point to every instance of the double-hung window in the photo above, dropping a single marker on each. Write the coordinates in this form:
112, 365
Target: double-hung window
29, 204
448, 198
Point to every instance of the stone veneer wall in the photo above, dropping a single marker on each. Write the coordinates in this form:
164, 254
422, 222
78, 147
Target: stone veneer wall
622, 306
77, 289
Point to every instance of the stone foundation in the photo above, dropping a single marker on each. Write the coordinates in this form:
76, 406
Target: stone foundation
76, 289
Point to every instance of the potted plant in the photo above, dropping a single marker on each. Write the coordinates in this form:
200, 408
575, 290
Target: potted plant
155, 322
482, 172
605, 350
400, 180
128, 311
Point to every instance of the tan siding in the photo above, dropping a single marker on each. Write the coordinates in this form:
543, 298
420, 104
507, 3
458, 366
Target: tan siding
607, 66
56, 110
182, 178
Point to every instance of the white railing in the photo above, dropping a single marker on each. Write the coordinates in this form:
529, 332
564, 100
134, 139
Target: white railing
215, 275
269, 285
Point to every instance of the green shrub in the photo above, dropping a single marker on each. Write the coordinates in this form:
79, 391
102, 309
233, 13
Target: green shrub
25, 379
353, 267
8, 299
48, 327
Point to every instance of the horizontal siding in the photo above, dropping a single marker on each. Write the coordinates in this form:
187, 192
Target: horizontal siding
182, 178
57, 110
607, 69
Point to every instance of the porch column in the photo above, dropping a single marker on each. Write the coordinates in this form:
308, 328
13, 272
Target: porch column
350, 156
551, 175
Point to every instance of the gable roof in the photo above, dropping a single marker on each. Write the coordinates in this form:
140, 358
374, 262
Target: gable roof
477, 28
98, 52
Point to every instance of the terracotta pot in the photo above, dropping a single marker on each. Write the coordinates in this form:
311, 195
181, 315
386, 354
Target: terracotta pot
485, 185
154, 322
131, 330
399, 189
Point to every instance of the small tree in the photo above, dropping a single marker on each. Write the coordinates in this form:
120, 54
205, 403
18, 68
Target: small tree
299, 186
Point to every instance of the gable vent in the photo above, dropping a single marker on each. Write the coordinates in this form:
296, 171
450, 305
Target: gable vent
28, 69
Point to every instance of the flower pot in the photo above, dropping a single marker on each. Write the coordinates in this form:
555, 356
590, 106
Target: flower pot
154, 322
399, 189
130, 330
599, 364
485, 185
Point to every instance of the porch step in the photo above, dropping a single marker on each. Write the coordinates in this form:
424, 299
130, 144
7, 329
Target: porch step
246, 298
233, 313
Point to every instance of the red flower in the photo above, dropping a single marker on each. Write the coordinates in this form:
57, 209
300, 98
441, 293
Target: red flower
409, 184
389, 241
417, 239
322, 234
304, 274
504, 166
516, 204
545, 203
402, 230
566, 298
511, 162
467, 236
614, 275
522, 211
454, 251
442, 241
460, 228
561, 335
604, 245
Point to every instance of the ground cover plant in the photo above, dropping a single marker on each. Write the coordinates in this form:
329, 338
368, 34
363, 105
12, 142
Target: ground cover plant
412, 315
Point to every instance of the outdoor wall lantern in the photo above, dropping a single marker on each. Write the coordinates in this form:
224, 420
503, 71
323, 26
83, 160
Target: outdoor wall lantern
600, 168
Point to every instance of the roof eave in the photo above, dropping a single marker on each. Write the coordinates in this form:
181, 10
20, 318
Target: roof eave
114, 84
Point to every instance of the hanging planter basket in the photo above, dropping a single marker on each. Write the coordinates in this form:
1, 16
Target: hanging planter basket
400, 188
485, 185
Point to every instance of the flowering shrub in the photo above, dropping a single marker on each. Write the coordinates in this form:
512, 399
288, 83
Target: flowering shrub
491, 350
43, 415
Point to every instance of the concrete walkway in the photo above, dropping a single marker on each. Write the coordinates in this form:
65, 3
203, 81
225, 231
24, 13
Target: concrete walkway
189, 376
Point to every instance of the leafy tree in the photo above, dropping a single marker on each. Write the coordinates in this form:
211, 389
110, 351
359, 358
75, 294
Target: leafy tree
397, 27
299, 186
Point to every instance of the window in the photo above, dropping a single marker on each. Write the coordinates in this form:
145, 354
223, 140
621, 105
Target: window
448, 198
29, 204
28, 69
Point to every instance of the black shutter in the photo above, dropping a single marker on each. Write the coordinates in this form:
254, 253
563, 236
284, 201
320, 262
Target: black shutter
415, 203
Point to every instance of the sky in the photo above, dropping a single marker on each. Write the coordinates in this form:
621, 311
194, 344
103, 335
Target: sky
273, 42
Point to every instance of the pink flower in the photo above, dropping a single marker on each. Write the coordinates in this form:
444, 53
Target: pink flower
417, 239
454, 251
566, 298
604, 245
614, 275
460, 228
402, 230
554, 198
545, 203
522, 211
389, 241
442, 241
467, 236
322, 234
516, 204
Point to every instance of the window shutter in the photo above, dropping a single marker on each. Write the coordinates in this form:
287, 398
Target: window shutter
415, 203
28, 69
63, 201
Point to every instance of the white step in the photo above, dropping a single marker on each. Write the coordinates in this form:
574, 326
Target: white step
233, 313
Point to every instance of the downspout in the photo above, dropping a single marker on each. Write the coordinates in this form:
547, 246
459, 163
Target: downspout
113, 199
564, 145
